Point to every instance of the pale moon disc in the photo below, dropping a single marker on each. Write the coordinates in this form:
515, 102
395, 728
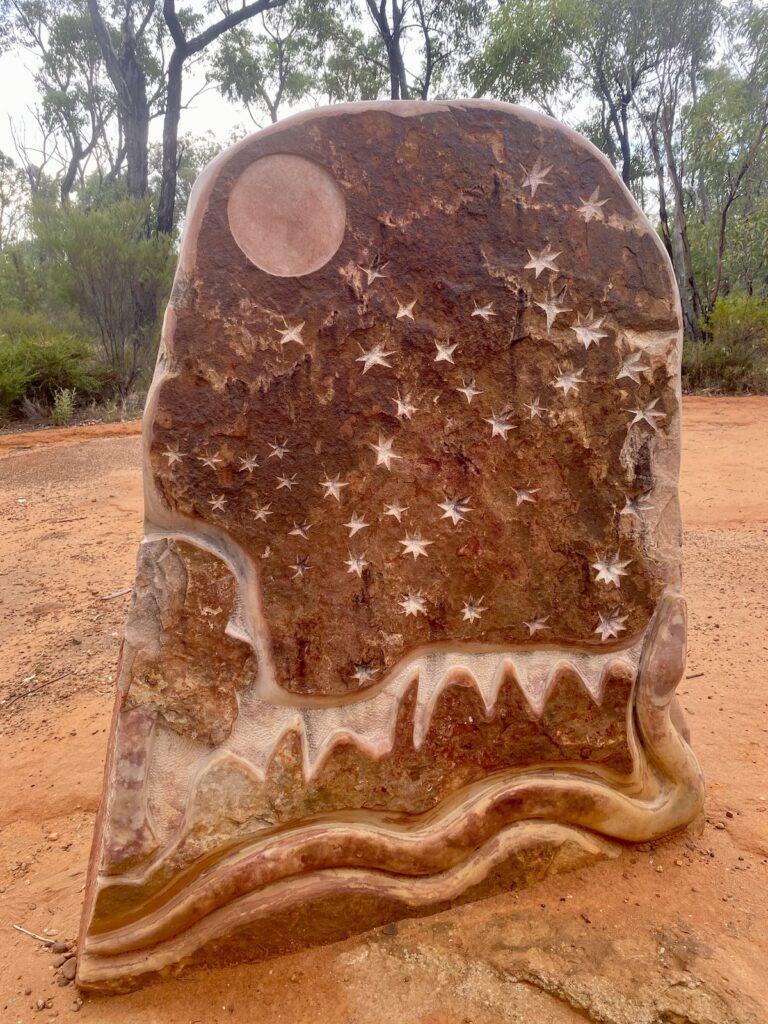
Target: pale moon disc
287, 214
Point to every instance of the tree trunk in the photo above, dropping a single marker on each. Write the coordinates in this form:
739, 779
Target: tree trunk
167, 202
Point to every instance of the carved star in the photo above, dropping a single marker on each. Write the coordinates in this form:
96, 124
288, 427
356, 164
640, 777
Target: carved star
405, 310
590, 208
396, 511
405, 407
525, 494
610, 625
473, 609
286, 481
300, 529
500, 425
376, 356
486, 311
279, 451
633, 366
445, 351
610, 569
545, 260
588, 332
211, 461
455, 509
364, 672
648, 414
636, 506
248, 464
261, 512
384, 453
536, 176
569, 381
300, 567
291, 333
552, 308
413, 603
356, 564
372, 273
535, 408
355, 524
537, 625
217, 502
172, 454
415, 545
469, 390
333, 487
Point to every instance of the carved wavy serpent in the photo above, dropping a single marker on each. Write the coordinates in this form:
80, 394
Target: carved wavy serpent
440, 854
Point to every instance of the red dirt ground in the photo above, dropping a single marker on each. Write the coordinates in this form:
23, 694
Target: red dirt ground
674, 934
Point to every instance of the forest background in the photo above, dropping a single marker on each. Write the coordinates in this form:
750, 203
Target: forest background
94, 184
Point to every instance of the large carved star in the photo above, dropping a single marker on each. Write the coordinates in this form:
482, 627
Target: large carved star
376, 356
636, 506
536, 176
413, 603
332, 487
537, 625
384, 453
405, 310
500, 425
569, 381
588, 330
590, 209
486, 311
373, 273
545, 260
291, 333
469, 390
405, 407
610, 569
355, 524
356, 564
172, 454
610, 625
648, 414
395, 510
445, 351
633, 367
415, 545
473, 609
552, 308
455, 509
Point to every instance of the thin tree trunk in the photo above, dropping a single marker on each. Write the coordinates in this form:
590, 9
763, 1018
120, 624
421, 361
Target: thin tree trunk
167, 202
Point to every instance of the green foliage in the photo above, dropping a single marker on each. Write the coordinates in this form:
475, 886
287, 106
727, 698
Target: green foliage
733, 358
38, 362
63, 406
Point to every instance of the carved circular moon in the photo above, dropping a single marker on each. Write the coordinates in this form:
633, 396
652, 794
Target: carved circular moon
287, 214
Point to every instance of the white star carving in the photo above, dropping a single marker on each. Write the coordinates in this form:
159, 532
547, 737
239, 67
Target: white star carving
588, 332
300, 567
405, 310
279, 451
469, 390
610, 569
405, 407
500, 425
537, 625
590, 208
286, 481
355, 524
291, 333
445, 351
300, 529
525, 494
473, 609
415, 545
552, 308
172, 454
455, 509
248, 464
536, 176
212, 461
569, 381
364, 672
648, 414
535, 408
636, 506
372, 273
217, 502
376, 356
610, 625
356, 564
545, 260
384, 453
633, 366
413, 603
332, 488
486, 311
261, 512
395, 510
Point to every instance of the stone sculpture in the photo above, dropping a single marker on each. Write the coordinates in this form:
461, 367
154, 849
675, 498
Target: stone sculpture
407, 624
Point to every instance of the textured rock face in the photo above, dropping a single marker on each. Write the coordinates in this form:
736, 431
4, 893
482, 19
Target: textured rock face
407, 608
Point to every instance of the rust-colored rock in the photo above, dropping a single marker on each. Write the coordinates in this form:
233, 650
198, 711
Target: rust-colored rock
407, 624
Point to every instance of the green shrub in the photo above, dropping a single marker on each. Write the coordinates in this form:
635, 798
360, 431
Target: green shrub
63, 406
733, 358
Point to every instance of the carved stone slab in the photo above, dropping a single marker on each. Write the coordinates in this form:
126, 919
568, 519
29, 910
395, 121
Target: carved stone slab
406, 624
